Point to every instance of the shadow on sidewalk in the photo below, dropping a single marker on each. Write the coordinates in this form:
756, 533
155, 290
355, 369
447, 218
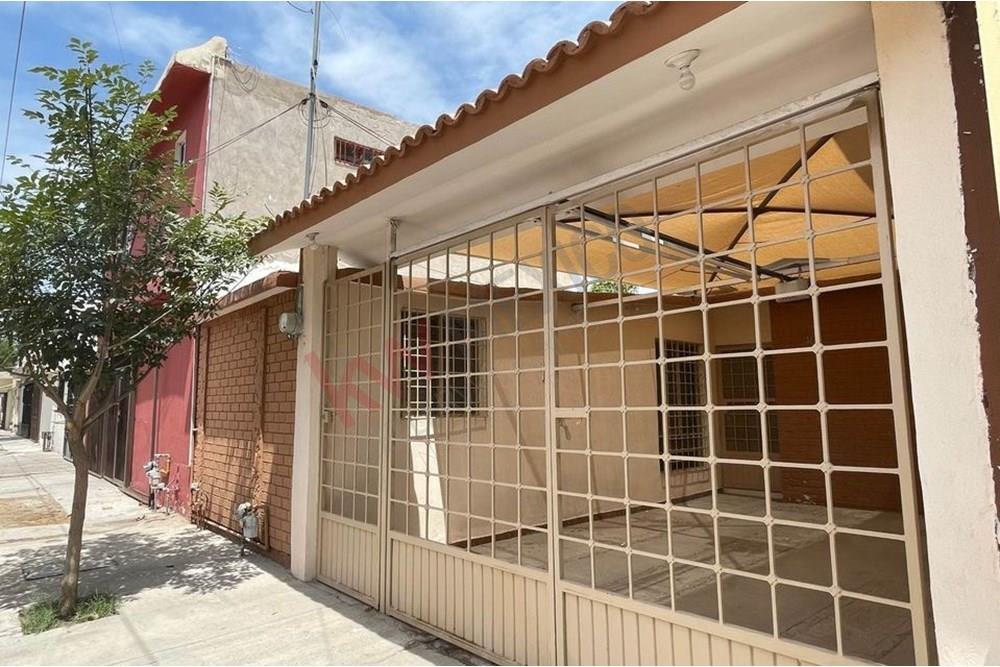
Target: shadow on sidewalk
127, 563
182, 560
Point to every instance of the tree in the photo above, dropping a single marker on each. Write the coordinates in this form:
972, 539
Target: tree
105, 261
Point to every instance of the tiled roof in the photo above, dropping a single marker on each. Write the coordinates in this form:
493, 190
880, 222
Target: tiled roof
628, 34
272, 281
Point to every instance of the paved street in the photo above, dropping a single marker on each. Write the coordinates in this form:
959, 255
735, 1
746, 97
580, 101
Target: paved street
188, 598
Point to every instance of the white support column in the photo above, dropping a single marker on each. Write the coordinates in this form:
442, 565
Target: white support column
318, 265
939, 307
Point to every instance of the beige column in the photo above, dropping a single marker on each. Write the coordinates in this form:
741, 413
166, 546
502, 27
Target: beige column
939, 307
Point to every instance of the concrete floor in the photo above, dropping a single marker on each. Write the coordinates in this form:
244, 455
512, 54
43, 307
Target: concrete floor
874, 566
188, 598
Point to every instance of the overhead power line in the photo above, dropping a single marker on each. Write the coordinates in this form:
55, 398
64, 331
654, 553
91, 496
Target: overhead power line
13, 84
358, 124
114, 24
294, 6
333, 13
245, 133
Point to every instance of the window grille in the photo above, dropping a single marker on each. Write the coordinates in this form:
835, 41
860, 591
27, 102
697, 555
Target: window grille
741, 429
440, 360
685, 430
354, 154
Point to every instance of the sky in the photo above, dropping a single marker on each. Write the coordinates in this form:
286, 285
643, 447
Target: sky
416, 60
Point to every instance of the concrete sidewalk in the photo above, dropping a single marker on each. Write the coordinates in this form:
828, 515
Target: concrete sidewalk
187, 596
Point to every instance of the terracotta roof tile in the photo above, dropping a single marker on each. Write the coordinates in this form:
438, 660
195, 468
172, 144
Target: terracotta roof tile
595, 34
277, 279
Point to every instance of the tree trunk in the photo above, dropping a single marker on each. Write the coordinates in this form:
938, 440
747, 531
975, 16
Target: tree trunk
74, 545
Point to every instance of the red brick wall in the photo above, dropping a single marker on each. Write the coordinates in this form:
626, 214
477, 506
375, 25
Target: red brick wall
857, 438
245, 415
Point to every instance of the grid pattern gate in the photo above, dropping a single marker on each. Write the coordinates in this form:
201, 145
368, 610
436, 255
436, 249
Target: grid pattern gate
680, 398
350, 469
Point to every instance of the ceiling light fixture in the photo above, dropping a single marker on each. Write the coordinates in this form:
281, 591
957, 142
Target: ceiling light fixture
682, 63
311, 236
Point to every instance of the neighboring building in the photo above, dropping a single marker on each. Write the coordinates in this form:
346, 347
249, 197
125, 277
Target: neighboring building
244, 411
245, 131
671, 375
28, 412
10, 393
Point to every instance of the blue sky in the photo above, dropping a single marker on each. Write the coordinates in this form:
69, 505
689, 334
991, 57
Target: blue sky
416, 60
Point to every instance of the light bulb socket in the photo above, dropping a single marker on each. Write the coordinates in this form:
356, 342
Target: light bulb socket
686, 80
682, 63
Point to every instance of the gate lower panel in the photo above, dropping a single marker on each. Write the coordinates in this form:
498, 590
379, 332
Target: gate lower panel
348, 557
504, 611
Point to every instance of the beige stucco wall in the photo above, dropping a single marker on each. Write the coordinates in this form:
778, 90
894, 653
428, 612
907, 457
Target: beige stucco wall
939, 303
988, 15
646, 481
264, 172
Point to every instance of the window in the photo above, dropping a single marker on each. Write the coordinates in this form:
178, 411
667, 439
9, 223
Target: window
440, 359
180, 149
685, 429
739, 387
354, 154
741, 429
468, 459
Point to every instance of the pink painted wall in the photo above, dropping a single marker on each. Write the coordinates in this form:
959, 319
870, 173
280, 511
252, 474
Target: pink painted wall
163, 402
142, 433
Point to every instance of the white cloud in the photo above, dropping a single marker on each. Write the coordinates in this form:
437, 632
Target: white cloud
152, 34
415, 60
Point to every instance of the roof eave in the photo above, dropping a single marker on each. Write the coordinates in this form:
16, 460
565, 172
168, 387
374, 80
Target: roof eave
567, 67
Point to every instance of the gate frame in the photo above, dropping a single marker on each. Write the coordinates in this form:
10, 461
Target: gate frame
822, 105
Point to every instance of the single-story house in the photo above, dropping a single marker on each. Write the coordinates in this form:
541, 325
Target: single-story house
674, 349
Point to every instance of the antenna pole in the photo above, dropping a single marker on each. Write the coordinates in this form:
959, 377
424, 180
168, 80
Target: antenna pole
310, 130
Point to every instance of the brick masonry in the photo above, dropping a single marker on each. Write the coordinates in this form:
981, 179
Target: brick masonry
857, 438
245, 417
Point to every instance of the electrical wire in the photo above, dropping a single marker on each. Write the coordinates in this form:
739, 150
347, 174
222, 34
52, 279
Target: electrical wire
333, 13
118, 37
244, 133
13, 83
296, 7
252, 76
318, 122
360, 125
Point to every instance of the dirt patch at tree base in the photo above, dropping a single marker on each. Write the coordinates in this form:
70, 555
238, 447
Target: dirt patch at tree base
36, 510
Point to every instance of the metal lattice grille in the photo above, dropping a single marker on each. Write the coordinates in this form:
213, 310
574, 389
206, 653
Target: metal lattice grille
690, 383
352, 393
467, 464
777, 503
441, 362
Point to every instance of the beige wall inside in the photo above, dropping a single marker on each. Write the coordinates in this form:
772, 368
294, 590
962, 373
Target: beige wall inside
730, 326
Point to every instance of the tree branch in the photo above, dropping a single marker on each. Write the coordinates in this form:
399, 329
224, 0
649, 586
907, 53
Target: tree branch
123, 390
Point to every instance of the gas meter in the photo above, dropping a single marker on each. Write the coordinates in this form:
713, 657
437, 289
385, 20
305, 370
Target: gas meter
246, 514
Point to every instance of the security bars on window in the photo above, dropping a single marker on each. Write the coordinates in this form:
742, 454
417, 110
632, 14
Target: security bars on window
467, 464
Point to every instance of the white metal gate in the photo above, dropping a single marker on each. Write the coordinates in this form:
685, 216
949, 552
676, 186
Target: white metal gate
350, 468
665, 422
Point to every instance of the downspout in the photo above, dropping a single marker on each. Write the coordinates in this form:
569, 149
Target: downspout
193, 402
154, 421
